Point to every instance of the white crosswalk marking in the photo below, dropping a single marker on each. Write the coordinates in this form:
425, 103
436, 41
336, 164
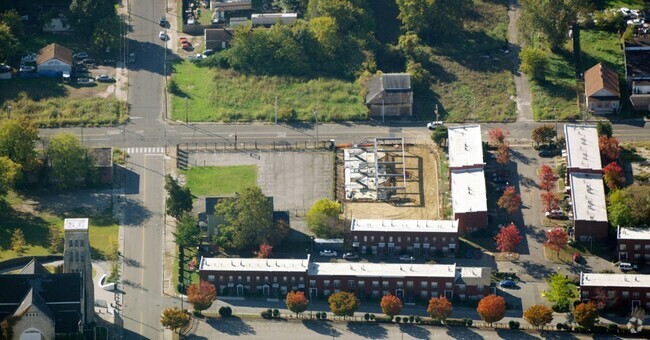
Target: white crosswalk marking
146, 150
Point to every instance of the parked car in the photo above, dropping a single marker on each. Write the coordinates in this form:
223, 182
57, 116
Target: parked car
208, 52
555, 213
104, 78
184, 43
131, 58
577, 257
478, 254
162, 35
328, 253
500, 188
162, 22
108, 62
80, 56
350, 256
85, 81
507, 283
28, 58
5, 68
549, 153
89, 62
432, 125
469, 253
626, 266
500, 180
27, 68
406, 258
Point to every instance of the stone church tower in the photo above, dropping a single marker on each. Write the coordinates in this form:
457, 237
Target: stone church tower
76, 259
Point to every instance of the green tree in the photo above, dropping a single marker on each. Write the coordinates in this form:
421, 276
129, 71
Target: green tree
433, 19
12, 19
343, 303
561, 292
351, 16
70, 167
179, 199
534, 62
18, 242
174, 319
544, 134
187, 231
586, 314
18, 139
440, 135
56, 241
553, 29
630, 206
8, 42
248, 220
604, 129
420, 76
107, 34
9, 173
323, 218
292, 6
85, 14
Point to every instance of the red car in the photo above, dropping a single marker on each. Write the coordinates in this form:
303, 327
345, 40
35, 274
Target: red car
184, 43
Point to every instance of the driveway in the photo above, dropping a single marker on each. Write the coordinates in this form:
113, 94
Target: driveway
522, 87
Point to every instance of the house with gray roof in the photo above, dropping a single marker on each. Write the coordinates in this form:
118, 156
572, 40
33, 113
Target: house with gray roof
390, 95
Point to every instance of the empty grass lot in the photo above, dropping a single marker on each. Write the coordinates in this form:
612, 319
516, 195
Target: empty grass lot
37, 225
215, 95
220, 180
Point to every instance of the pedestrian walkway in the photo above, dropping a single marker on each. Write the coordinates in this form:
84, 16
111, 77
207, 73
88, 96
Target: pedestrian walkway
146, 150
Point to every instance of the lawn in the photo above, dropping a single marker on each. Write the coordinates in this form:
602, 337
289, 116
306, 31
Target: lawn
220, 180
214, 95
36, 227
633, 4
473, 79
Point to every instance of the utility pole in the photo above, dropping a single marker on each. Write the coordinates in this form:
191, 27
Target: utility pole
316, 117
186, 111
436, 110
276, 110
81, 125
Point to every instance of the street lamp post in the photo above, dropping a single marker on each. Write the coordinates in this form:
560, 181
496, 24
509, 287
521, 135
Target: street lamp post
316, 117
186, 111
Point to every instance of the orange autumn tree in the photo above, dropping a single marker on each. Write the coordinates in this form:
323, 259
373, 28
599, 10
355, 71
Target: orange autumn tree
556, 239
586, 314
508, 239
549, 201
538, 315
547, 178
202, 295
510, 201
439, 309
296, 302
613, 176
391, 305
265, 251
491, 308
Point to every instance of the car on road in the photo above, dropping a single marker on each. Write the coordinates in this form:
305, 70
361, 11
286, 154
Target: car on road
406, 258
131, 58
27, 68
80, 56
162, 35
432, 125
184, 44
626, 266
162, 22
104, 78
208, 52
549, 153
555, 213
85, 81
350, 256
328, 253
507, 283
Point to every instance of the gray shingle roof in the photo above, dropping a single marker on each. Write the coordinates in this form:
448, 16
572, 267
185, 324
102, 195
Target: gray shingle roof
391, 88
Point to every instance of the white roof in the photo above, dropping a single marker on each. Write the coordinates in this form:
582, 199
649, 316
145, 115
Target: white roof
382, 269
424, 226
588, 196
75, 224
465, 147
253, 265
474, 275
633, 233
582, 146
614, 280
468, 190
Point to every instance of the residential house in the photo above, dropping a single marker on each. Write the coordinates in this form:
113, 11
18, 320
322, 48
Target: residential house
231, 5
54, 60
633, 244
467, 177
417, 237
269, 19
620, 292
47, 306
218, 38
102, 160
390, 95
637, 70
602, 90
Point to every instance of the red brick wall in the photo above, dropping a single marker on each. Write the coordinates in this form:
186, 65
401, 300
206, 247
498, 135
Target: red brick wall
404, 240
623, 304
630, 254
468, 220
596, 229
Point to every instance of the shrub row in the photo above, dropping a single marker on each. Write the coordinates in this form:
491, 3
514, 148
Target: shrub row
225, 312
269, 313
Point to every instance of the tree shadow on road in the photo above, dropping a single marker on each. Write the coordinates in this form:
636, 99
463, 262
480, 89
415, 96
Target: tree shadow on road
512, 334
368, 331
521, 158
321, 327
536, 270
416, 332
463, 333
231, 326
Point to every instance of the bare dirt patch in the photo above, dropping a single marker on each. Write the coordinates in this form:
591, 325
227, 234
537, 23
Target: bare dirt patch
420, 199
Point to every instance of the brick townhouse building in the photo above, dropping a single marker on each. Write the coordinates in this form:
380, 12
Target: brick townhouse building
416, 237
271, 277
633, 244
467, 177
620, 291
584, 174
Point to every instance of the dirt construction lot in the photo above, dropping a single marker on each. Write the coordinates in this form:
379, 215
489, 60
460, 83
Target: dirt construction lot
421, 190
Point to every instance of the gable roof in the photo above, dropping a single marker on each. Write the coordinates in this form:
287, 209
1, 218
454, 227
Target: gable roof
34, 267
33, 299
54, 51
601, 77
218, 34
392, 88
